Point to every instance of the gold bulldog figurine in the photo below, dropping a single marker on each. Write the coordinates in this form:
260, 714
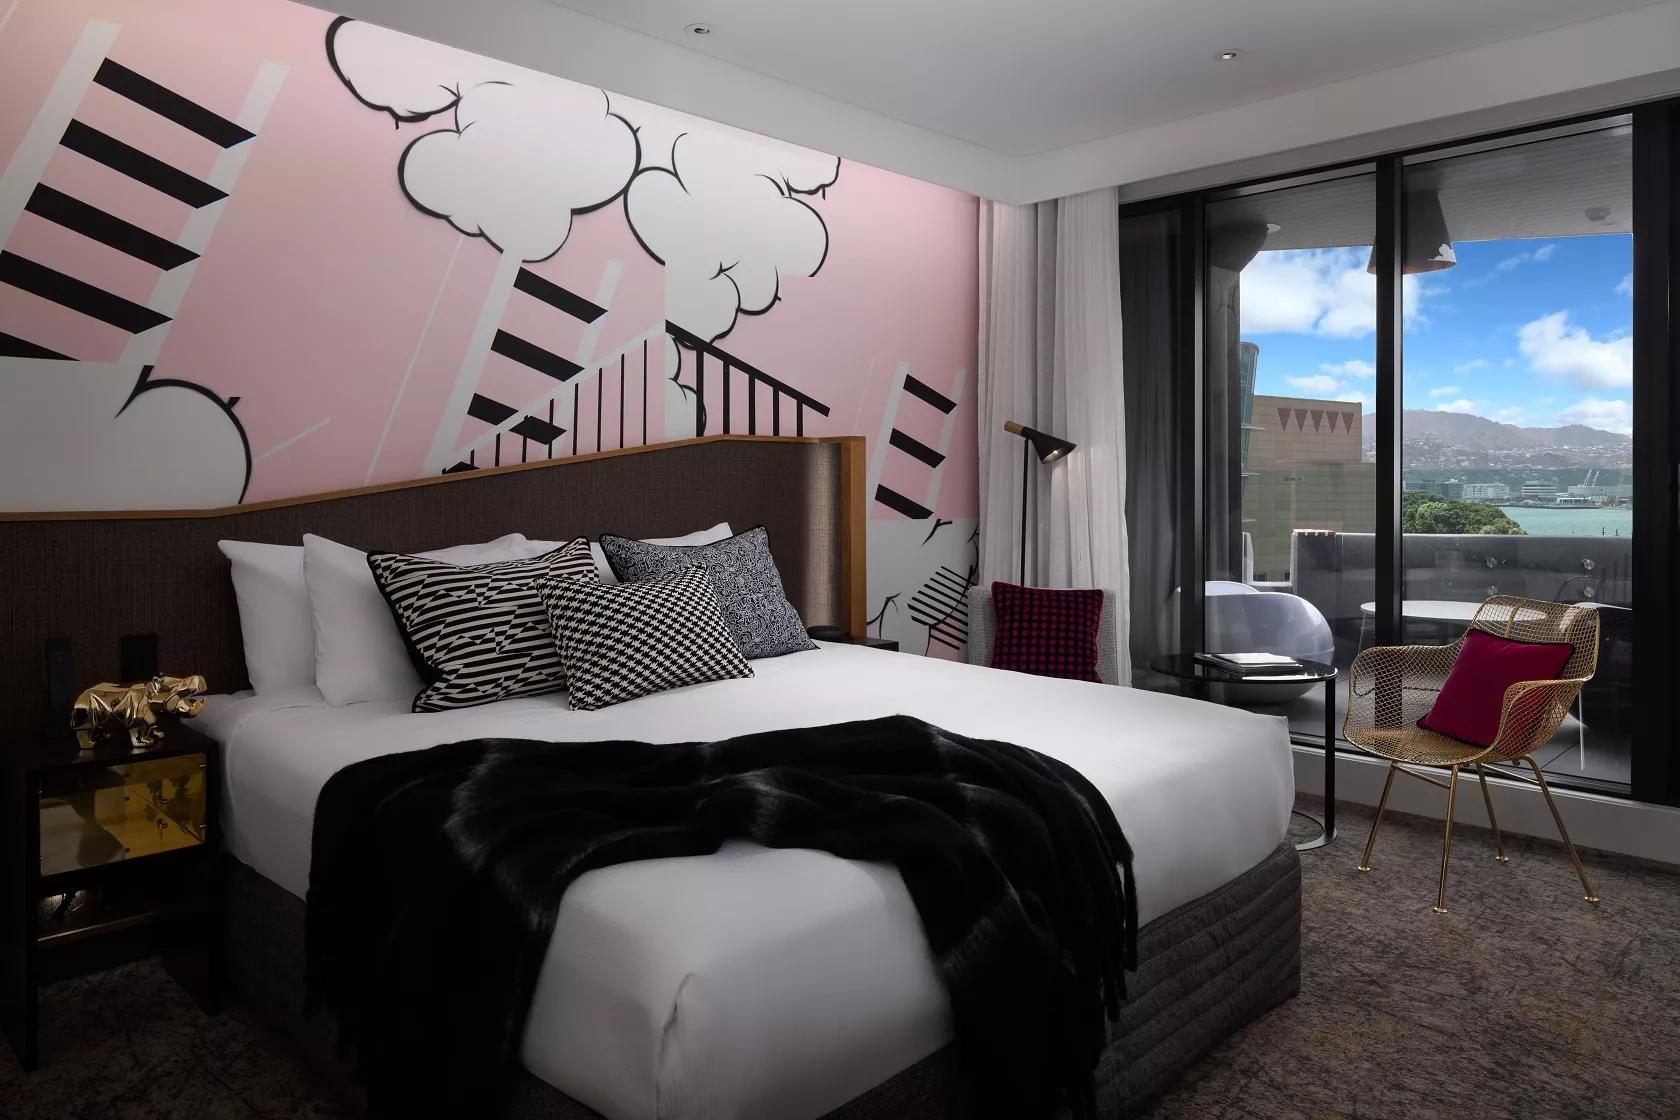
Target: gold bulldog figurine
135, 708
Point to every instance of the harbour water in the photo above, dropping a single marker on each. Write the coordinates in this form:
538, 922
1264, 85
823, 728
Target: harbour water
1587, 522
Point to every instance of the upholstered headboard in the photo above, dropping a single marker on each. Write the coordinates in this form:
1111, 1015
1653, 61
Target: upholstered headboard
93, 578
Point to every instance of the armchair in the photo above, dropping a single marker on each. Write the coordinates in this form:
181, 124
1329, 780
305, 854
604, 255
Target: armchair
1391, 687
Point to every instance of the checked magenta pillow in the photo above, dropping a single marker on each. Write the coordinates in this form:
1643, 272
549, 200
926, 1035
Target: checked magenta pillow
1046, 631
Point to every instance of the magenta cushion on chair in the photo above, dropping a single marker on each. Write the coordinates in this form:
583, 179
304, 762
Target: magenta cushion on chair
1470, 701
1049, 632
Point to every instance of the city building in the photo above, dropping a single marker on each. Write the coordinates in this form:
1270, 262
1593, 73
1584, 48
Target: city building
1303, 470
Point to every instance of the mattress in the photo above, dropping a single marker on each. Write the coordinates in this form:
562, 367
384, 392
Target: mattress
757, 982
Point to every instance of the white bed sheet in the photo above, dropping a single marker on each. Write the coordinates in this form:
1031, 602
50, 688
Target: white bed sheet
777, 983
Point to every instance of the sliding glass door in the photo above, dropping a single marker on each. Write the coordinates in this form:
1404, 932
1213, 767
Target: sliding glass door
1289, 482
1517, 442
1364, 458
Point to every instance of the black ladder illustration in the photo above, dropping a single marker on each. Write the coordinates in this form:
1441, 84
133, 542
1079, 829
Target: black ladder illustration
56, 126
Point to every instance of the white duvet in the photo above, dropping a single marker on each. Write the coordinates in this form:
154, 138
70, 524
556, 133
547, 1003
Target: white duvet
756, 983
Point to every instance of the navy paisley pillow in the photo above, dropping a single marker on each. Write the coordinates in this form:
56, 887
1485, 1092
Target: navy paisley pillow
749, 588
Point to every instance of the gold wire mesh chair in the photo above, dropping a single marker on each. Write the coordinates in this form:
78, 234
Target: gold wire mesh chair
1391, 687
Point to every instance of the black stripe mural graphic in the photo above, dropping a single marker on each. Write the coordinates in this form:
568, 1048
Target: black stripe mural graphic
92, 222
139, 166
78, 295
167, 103
927, 394
555, 296
12, 346
510, 345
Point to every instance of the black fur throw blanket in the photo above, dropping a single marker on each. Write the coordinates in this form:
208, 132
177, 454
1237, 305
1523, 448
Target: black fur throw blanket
437, 874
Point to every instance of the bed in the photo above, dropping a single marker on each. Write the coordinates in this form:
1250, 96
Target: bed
786, 984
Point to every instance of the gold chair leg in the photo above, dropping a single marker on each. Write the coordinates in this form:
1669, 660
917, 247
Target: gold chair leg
1557, 816
1493, 821
1446, 842
1382, 803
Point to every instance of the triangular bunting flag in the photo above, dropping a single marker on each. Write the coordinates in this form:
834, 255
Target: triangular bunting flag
1283, 418
1301, 418
1317, 415
1347, 420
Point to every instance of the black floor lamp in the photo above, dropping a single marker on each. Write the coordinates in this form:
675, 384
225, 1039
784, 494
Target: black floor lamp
1048, 448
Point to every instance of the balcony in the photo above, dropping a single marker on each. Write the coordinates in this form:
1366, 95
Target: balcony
1335, 572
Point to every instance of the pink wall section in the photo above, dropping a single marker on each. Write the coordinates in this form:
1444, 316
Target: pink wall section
337, 316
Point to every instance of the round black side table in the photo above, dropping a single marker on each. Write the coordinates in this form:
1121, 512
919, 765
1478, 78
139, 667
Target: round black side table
1184, 667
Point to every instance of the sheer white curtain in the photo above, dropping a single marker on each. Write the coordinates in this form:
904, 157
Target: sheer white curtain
1050, 358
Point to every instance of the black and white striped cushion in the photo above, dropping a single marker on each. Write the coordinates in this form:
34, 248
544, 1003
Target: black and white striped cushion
479, 633
629, 640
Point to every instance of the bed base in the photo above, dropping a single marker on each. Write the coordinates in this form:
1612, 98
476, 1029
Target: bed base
1207, 968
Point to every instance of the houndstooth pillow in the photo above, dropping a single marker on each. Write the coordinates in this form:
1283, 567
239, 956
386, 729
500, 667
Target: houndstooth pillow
478, 633
749, 589
633, 639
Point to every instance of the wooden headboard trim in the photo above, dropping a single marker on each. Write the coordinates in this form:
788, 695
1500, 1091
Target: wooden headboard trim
851, 449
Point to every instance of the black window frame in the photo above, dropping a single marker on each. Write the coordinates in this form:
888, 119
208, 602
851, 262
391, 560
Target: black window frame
1656, 436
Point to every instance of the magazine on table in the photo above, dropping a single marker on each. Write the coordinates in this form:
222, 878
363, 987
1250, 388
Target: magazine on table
1252, 664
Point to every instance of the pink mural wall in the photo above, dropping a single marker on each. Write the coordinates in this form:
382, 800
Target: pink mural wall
251, 251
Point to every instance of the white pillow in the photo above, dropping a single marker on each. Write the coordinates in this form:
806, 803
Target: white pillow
358, 650
719, 532
274, 617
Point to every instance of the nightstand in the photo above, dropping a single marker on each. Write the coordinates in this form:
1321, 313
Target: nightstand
835, 634
106, 856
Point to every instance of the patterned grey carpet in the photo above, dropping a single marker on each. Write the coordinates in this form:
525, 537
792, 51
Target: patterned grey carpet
1523, 1003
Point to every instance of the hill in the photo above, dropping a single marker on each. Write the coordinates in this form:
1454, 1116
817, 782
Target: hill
1456, 439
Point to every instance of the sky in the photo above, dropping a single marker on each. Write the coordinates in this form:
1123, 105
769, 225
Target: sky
1534, 332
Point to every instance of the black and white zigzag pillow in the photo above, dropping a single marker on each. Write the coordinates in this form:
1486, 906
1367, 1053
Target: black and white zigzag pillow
629, 640
479, 633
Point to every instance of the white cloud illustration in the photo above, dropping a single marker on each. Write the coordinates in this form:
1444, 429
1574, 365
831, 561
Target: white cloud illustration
722, 210
525, 153
155, 444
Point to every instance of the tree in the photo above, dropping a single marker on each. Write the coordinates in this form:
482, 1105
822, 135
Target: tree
1427, 513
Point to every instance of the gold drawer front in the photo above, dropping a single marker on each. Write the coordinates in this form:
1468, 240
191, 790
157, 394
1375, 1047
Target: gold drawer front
95, 815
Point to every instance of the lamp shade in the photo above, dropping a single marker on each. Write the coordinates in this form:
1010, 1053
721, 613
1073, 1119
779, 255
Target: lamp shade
1047, 447
1428, 242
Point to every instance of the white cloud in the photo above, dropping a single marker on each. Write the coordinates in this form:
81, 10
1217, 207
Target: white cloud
1511, 415
1625, 287
1354, 396
1510, 264
89, 435
1446, 391
1459, 406
1354, 367
1318, 383
521, 154
1597, 412
1557, 348
725, 212
1317, 291
1471, 366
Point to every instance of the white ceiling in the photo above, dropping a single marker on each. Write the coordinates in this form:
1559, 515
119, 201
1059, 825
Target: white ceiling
1025, 76
953, 91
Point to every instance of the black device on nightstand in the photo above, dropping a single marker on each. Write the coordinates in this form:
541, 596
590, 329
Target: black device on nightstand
107, 856
836, 634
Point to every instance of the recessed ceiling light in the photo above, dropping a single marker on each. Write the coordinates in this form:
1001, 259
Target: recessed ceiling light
1229, 55
701, 29
1273, 227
